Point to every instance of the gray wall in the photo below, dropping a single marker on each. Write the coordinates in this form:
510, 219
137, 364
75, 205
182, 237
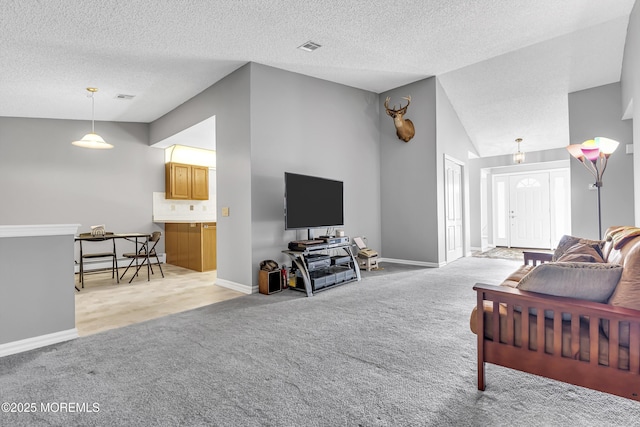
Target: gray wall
453, 141
228, 100
597, 112
630, 80
36, 301
315, 127
269, 121
412, 174
408, 177
46, 180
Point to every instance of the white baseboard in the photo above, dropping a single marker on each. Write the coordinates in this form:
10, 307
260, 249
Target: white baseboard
411, 262
37, 342
105, 264
235, 286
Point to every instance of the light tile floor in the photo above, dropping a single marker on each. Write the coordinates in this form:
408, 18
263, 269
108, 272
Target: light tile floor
103, 304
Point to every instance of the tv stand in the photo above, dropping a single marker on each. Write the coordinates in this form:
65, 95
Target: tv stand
316, 276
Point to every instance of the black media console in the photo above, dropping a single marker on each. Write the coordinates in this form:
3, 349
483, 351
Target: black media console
322, 265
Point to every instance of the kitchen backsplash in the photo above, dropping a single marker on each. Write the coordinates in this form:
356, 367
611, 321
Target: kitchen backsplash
183, 210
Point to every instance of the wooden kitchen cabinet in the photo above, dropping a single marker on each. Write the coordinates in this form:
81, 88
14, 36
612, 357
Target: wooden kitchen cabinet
191, 245
186, 182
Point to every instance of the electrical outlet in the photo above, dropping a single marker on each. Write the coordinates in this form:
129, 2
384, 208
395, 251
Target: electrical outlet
225, 211
173, 207
190, 207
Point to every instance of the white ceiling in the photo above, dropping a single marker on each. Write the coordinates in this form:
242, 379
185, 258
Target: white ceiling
507, 65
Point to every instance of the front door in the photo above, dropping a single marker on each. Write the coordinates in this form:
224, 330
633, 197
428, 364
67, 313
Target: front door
529, 215
453, 203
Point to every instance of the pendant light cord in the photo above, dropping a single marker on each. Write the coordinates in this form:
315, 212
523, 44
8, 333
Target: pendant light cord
93, 107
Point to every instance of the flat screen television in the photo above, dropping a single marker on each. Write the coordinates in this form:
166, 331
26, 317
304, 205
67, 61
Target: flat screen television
312, 202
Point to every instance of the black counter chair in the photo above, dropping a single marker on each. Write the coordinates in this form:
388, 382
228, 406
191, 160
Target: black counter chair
88, 237
141, 254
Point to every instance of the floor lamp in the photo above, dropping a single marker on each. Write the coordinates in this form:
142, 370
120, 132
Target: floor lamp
594, 154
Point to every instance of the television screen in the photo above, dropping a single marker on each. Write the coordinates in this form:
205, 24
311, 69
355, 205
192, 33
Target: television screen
311, 202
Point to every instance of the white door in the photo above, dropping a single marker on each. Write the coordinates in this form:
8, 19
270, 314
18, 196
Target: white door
453, 214
529, 211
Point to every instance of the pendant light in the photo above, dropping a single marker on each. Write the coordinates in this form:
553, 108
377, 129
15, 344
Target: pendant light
518, 156
92, 140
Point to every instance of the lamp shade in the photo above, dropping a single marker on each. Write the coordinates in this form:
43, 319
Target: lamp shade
576, 151
92, 140
591, 153
607, 146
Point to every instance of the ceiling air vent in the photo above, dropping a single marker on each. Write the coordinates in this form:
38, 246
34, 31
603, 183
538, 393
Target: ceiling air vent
125, 97
309, 46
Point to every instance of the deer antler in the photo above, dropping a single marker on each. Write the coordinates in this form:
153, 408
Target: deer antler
386, 103
408, 98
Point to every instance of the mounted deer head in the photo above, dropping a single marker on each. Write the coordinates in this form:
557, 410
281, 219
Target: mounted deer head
404, 127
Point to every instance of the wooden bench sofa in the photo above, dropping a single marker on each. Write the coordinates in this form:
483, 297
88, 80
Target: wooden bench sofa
592, 341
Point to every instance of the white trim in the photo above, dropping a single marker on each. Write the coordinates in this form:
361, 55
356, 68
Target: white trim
454, 160
245, 289
411, 262
38, 230
37, 342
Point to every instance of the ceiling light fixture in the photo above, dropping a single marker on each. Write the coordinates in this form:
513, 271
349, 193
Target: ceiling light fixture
518, 156
309, 46
92, 140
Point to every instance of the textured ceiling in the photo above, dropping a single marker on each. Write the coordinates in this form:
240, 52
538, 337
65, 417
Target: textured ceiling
507, 65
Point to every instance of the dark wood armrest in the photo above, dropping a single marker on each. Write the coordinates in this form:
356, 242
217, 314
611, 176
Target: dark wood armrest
536, 257
513, 296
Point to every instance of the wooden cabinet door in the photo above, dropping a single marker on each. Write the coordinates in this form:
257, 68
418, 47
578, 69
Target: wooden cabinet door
177, 181
171, 243
199, 182
183, 245
195, 247
209, 246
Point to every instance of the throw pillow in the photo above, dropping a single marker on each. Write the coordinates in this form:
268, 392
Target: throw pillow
583, 280
582, 252
568, 241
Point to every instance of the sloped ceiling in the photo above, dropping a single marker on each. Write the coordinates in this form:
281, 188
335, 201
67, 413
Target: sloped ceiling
506, 65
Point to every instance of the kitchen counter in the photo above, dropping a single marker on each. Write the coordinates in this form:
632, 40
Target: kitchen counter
184, 221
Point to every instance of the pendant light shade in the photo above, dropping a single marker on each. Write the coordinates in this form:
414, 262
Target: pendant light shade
518, 156
92, 139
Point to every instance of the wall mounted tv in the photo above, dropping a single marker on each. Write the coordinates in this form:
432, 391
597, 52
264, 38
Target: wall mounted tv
312, 202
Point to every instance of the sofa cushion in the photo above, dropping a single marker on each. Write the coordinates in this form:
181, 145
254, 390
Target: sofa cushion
627, 293
582, 252
515, 277
590, 281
